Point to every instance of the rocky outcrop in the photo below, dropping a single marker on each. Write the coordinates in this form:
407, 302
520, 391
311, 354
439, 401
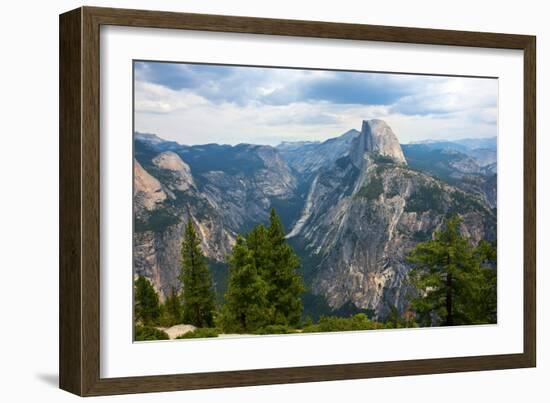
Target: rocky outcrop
365, 213
377, 138
220, 202
454, 163
361, 230
275, 178
485, 156
157, 253
181, 178
354, 206
148, 192
308, 157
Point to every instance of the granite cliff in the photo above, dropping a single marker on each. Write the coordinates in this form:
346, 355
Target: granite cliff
353, 206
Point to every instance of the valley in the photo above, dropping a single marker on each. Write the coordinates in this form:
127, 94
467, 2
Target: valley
353, 207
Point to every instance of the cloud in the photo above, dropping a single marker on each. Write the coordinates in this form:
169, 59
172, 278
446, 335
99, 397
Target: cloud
177, 76
154, 98
194, 103
449, 95
358, 88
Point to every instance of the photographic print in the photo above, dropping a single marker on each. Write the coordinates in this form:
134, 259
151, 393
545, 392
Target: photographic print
272, 200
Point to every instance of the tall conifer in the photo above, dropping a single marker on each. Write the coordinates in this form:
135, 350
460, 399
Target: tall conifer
453, 286
172, 309
198, 294
284, 281
247, 306
146, 302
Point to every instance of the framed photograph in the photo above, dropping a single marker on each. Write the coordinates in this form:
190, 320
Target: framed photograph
248, 201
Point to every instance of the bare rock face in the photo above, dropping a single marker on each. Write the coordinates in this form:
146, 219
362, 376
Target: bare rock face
374, 229
220, 202
308, 157
148, 192
157, 254
275, 179
180, 171
366, 212
356, 208
377, 138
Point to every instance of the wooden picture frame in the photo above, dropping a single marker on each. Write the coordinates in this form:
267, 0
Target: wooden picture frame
79, 346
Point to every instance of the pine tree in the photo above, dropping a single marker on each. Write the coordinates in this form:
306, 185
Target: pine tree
486, 252
260, 248
198, 294
264, 285
450, 280
247, 306
146, 302
172, 309
285, 284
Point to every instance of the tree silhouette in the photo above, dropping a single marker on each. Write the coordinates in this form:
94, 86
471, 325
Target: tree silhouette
455, 282
146, 302
247, 306
198, 294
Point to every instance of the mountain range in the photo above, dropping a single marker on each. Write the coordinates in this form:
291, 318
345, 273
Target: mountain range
353, 207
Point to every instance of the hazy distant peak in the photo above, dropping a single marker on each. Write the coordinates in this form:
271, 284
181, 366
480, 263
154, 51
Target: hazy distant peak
470, 143
149, 138
344, 137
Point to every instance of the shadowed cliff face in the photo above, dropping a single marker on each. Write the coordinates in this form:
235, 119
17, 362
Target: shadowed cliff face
224, 190
309, 157
367, 211
353, 204
363, 223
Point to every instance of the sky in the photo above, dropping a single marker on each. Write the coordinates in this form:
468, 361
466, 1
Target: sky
199, 104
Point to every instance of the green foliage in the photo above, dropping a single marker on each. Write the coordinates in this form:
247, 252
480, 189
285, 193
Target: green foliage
421, 236
259, 245
454, 285
382, 159
428, 197
275, 329
285, 284
247, 307
234, 160
146, 302
373, 189
397, 321
264, 286
438, 162
307, 321
220, 277
463, 203
486, 253
146, 333
393, 189
198, 294
200, 333
171, 312
359, 321
316, 306
431, 197
157, 221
